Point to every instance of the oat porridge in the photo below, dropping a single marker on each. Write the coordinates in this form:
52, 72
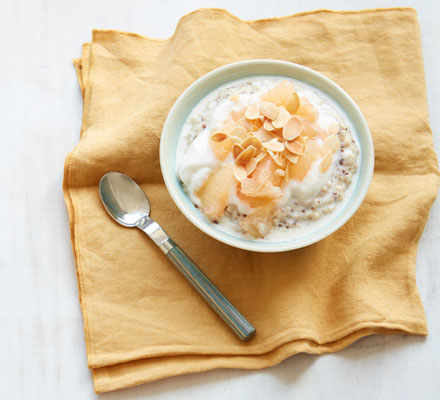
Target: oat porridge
267, 157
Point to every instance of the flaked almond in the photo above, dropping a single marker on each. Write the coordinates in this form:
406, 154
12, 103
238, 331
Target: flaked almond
263, 135
237, 149
260, 156
269, 110
253, 111
240, 132
268, 125
331, 143
274, 145
236, 115
218, 136
293, 128
246, 155
246, 124
251, 165
292, 102
235, 139
278, 158
252, 140
279, 172
239, 172
293, 158
294, 147
281, 119
326, 162
301, 139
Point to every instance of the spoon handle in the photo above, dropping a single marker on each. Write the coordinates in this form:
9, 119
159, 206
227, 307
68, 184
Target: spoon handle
218, 302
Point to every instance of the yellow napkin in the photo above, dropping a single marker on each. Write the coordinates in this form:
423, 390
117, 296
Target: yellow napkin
142, 320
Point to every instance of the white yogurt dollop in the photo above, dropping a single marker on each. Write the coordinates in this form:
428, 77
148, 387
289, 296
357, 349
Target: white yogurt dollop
196, 160
308, 189
197, 164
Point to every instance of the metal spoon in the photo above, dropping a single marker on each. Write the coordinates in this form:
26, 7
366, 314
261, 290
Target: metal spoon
128, 204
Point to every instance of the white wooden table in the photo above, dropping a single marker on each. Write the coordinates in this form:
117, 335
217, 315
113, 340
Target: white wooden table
42, 350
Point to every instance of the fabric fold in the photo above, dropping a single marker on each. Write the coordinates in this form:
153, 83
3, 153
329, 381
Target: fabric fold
142, 320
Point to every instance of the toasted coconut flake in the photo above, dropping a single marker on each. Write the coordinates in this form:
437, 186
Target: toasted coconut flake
239, 172
260, 156
218, 136
279, 160
292, 103
263, 135
326, 162
246, 155
281, 119
331, 143
251, 165
294, 147
293, 158
293, 128
268, 125
240, 132
237, 149
279, 172
253, 111
269, 110
274, 145
252, 140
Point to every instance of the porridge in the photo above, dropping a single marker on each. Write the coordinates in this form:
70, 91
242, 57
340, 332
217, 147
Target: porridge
267, 157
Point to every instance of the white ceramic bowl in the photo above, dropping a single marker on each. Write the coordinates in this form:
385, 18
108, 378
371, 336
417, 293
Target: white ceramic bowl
206, 84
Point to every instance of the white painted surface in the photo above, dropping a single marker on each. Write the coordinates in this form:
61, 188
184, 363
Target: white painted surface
42, 353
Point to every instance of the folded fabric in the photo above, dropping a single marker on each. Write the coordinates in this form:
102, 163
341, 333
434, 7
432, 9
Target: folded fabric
142, 320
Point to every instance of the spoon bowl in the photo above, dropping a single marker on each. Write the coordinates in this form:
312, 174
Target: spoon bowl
127, 204
123, 199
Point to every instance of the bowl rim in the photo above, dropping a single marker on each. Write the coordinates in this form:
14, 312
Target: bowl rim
294, 243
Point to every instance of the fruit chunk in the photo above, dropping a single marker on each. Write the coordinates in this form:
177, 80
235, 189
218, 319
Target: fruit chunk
214, 193
220, 148
299, 170
261, 184
279, 93
259, 223
307, 110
